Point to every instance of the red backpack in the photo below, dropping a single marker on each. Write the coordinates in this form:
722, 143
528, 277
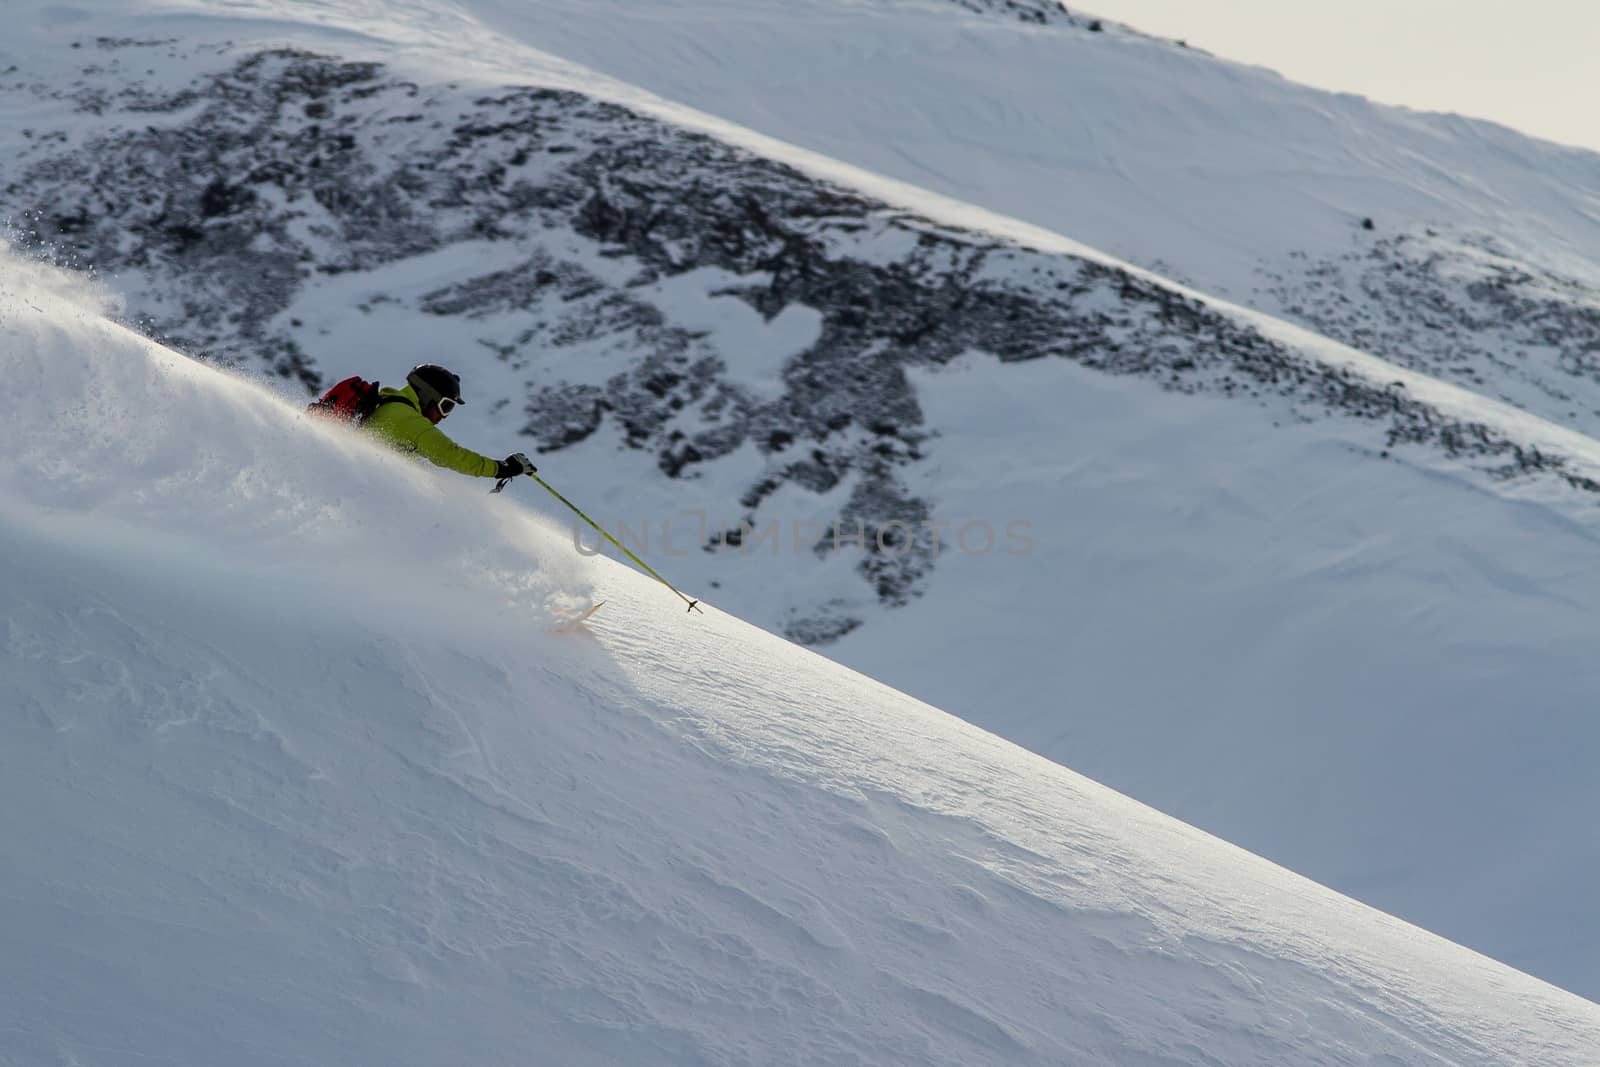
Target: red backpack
353, 399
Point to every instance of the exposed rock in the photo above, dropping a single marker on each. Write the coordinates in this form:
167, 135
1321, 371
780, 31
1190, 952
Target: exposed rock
1461, 307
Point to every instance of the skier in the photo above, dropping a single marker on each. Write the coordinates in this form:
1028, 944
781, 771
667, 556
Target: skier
408, 419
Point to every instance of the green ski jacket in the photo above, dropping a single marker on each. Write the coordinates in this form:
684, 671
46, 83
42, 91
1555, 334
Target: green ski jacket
403, 425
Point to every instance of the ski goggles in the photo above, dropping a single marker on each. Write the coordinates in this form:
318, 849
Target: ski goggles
446, 406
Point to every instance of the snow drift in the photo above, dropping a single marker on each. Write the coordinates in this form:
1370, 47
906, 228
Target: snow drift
293, 771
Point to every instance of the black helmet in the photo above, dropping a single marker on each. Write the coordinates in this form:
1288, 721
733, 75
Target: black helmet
433, 383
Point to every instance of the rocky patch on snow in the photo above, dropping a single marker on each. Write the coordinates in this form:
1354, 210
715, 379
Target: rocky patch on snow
1037, 12
1464, 308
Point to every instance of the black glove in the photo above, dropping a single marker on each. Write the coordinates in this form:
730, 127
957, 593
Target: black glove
514, 465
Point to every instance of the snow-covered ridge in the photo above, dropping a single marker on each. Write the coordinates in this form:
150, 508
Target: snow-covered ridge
304, 779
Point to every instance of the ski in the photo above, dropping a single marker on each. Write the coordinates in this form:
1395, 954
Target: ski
574, 620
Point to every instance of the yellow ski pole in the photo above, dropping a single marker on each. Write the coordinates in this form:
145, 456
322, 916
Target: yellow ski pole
694, 605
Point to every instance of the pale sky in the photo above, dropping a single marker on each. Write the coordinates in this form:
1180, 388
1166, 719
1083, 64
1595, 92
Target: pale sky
1533, 65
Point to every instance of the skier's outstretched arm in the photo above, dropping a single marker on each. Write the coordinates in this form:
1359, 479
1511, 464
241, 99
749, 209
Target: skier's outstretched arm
434, 446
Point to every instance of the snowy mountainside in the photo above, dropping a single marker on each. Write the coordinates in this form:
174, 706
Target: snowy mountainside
1226, 177
586, 248
1333, 611
281, 791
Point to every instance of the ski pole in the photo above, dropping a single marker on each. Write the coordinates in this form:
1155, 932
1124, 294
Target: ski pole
694, 605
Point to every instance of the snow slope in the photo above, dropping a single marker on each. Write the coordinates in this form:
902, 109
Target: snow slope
1374, 668
293, 772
